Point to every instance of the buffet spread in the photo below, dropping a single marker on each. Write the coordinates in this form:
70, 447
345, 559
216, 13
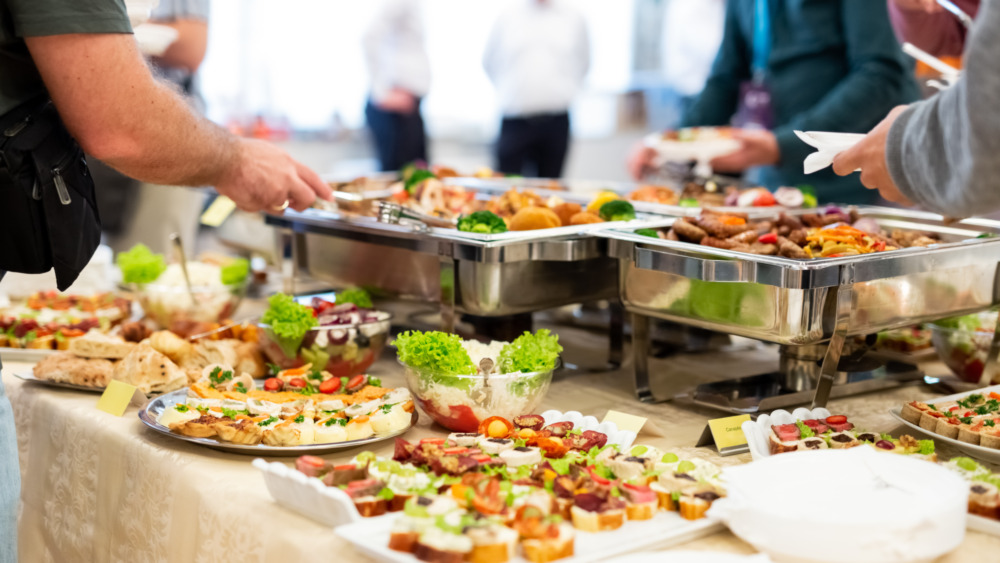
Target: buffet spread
496, 481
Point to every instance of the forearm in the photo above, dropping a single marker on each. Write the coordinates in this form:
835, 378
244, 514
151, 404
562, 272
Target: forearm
188, 51
133, 123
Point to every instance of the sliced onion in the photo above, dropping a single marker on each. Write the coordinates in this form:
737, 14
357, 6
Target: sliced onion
868, 225
789, 197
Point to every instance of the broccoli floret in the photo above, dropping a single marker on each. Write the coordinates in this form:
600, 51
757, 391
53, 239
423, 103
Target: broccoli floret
484, 222
648, 233
418, 175
617, 210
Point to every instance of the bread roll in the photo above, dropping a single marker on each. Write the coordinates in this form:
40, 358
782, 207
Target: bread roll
534, 218
585, 218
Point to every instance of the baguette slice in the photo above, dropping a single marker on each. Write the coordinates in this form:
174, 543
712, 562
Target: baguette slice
911, 411
776, 446
545, 550
664, 498
492, 544
641, 511
990, 439
431, 554
692, 507
984, 500
370, 506
929, 420
404, 541
948, 427
597, 521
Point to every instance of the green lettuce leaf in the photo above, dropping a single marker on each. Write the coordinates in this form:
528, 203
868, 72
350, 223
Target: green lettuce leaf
289, 321
437, 356
235, 271
140, 265
530, 353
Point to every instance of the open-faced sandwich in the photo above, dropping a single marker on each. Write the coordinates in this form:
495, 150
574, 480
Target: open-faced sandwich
837, 432
50, 320
516, 487
974, 419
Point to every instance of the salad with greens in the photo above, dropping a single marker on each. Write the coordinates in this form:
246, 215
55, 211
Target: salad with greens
460, 382
964, 342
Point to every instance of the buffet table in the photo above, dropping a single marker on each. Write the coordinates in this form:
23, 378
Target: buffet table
102, 488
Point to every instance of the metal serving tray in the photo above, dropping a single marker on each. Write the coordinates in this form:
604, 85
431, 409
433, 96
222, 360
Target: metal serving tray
803, 302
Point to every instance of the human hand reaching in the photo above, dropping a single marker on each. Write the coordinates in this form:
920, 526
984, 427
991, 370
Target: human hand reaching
263, 177
758, 148
868, 155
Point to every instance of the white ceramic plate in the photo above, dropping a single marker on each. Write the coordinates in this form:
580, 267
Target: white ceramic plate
984, 525
686, 151
986, 454
691, 557
330, 506
371, 537
31, 377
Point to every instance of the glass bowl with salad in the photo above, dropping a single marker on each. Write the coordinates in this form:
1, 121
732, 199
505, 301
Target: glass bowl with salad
217, 287
343, 337
459, 383
963, 343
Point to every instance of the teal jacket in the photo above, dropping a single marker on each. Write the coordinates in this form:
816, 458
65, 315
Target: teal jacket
834, 65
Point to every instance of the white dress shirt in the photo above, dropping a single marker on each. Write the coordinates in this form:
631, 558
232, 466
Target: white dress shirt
395, 51
537, 56
692, 32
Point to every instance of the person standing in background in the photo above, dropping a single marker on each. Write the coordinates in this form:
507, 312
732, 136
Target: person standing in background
134, 212
787, 65
400, 76
537, 56
930, 27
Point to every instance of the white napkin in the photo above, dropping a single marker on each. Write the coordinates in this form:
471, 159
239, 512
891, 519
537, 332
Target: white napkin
827, 145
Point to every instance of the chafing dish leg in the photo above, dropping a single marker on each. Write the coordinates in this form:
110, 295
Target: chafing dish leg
831, 360
616, 334
640, 353
447, 278
990, 369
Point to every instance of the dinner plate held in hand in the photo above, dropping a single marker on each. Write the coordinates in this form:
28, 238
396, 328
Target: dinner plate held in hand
154, 408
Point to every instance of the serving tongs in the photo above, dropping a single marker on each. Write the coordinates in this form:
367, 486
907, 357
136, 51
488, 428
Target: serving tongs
394, 214
175, 239
484, 395
359, 197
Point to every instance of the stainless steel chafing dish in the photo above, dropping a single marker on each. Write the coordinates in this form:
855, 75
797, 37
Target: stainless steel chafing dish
805, 302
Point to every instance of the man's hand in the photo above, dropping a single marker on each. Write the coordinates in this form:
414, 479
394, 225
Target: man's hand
397, 100
929, 6
263, 177
760, 148
869, 156
640, 161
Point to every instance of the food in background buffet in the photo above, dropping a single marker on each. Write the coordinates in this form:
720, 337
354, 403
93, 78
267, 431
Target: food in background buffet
974, 419
516, 487
297, 407
50, 320
711, 194
460, 383
155, 362
526, 210
984, 486
343, 338
907, 340
217, 284
963, 343
836, 432
831, 234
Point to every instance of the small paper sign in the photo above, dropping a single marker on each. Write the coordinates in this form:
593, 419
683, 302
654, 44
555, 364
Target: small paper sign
118, 396
624, 421
727, 435
218, 211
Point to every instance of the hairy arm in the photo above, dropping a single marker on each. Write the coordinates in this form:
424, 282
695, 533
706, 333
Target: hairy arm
188, 51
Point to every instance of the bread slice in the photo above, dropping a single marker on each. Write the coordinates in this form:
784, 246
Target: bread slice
42, 343
990, 439
984, 500
370, 506
149, 370
597, 521
545, 550
425, 552
641, 511
971, 434
96, 344
664, 498
692, 507
492, 544
948, 427
776, 446
404, 541
911, 411
929, 420
66, 367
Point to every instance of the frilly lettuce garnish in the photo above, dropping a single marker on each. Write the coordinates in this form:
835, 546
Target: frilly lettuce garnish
140, 265
235, 271
355, 295
438, 355
289, 321
530, 353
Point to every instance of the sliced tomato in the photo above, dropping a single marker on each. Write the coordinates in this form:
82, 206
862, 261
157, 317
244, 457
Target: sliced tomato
435, 441
330, 386
345, 467
357, 382
457, 450
312, 460
597, 478
836, 419
273, 384
481, 458
765, 199
768, 238
297, 383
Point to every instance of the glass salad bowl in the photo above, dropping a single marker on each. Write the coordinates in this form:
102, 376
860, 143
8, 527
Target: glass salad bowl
348, 345
461, 402
171, 305
963, 345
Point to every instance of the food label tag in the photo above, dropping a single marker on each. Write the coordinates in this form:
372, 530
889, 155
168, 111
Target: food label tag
624, 421
727, 435
118, 396
218, 211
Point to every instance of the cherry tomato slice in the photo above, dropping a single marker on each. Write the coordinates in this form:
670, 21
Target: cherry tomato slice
457, 450
357, 382
330, 386
836, 419
345, 467
297, 383
273, 384
768, 238
436, 441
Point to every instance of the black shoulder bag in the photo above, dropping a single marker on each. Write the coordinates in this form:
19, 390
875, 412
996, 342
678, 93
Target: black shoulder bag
48, 210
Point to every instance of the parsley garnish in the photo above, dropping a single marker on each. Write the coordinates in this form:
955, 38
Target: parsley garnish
230, 413
374, 382
316, 376
332, 421
982, 409
386, 408
989, 423
268, 422
181, 408
300, 419
240, 387
217, 376
273, 369
965, 419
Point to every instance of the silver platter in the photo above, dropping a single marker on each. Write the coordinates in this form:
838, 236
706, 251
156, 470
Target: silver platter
151, 412
46, 382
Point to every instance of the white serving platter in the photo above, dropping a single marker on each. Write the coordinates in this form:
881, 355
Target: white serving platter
31, 377
979, 452
371, 537
332, 507
757, 431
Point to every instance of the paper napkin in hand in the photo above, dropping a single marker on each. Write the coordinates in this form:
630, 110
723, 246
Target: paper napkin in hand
827, 145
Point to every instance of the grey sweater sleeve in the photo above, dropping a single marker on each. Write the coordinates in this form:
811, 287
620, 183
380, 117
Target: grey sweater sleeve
944, 153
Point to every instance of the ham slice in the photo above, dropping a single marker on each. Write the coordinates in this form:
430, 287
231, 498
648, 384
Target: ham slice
786, 432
